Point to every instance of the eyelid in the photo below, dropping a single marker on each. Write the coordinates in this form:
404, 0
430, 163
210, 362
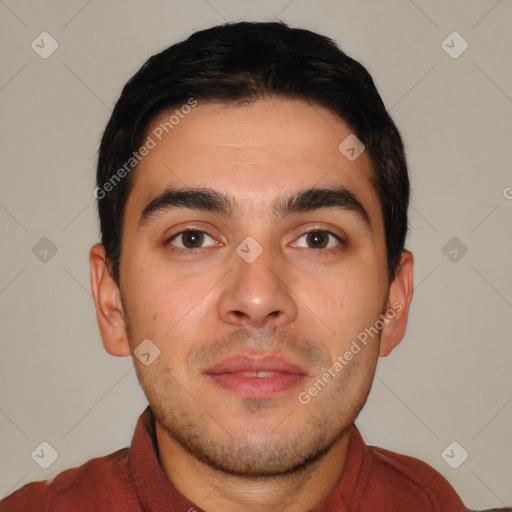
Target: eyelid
192, 226
322, 228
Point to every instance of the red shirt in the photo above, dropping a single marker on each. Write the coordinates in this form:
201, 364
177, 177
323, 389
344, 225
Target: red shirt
132, 480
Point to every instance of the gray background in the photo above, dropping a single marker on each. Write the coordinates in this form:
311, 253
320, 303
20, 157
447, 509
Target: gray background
449, 380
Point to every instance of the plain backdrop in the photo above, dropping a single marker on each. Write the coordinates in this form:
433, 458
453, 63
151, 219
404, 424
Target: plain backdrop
450, 379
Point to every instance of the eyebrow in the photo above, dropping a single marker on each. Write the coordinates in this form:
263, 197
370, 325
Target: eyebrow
206, 199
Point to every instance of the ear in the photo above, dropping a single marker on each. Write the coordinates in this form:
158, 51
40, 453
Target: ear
399, 301
107, 301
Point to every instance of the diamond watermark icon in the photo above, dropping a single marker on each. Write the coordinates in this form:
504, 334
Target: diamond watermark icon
351, 147
44, 45
454, 455
249, 249
44, 455
454, 249
44, 250
454, 45
147, 352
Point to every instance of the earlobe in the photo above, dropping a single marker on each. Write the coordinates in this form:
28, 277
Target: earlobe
109, 310
399, 301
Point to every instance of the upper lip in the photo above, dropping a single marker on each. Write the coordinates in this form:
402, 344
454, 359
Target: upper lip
252, 363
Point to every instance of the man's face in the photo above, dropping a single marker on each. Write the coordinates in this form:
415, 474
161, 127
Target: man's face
203, 300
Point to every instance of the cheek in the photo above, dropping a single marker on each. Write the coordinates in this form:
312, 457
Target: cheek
347, 308
164, 305
347, 300
148, 296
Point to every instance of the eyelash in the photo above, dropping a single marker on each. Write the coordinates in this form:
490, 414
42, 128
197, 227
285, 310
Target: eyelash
318, 252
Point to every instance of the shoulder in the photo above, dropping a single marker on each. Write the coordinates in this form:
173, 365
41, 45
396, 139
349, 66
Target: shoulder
411, 484
95, 484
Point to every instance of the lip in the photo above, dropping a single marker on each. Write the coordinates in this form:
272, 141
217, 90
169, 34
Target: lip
227, 374
259, 363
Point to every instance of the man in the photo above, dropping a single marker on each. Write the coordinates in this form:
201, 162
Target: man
253, 195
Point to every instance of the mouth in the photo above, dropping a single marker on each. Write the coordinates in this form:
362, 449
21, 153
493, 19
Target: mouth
253, 376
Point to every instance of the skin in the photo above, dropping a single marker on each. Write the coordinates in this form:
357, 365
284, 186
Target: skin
222, 451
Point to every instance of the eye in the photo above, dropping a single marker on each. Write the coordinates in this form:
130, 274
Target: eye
320, 239
190, 239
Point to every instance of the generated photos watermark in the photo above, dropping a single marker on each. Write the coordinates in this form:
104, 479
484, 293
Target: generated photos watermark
343, 360
150, 143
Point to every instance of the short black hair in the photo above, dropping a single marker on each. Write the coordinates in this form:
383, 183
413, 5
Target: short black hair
241, 62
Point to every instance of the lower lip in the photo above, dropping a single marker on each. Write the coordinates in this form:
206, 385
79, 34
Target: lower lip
257, 387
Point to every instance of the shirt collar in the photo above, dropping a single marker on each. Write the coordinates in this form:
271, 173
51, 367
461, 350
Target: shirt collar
155, 491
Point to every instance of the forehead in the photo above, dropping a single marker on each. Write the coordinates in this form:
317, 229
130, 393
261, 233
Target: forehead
252, 151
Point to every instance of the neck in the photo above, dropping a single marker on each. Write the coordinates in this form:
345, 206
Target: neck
216, 491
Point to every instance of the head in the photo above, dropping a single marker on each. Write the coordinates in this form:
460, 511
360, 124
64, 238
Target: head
234, 221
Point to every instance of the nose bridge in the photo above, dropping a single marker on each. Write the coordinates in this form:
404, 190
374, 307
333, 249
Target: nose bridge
257, 293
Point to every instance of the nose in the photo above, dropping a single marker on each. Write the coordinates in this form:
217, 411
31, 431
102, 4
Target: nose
257, 294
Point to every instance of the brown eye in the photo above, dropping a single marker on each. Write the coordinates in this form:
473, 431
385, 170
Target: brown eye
319, 239
190, 239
